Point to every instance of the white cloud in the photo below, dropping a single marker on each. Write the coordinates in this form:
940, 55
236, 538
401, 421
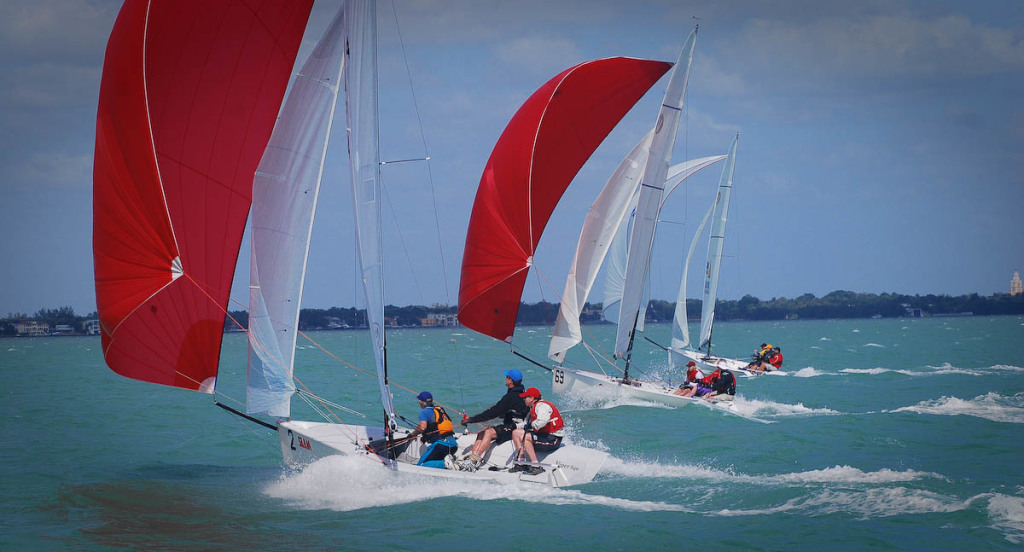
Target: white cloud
546, 56
50, 171
880, 46
43, 29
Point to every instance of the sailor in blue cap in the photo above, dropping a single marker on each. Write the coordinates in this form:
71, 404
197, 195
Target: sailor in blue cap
512, 410
435, 428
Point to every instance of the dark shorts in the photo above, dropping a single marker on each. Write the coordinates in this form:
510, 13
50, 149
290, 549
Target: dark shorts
701, 391
504, 433
545, 442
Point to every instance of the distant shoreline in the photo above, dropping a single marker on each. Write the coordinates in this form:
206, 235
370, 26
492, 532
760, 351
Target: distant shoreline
833, 306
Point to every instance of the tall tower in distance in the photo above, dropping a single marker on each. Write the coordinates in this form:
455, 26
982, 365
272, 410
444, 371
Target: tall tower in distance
1015, 284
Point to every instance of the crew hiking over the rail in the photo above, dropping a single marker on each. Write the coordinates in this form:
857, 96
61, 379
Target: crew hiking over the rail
693, 386
722, 383
542, 431
435, 428
511, 408
767, 359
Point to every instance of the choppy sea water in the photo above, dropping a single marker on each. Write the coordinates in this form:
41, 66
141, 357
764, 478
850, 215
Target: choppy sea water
882, 434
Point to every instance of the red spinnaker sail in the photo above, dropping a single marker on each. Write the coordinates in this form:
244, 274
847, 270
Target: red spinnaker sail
188, 98
543, 147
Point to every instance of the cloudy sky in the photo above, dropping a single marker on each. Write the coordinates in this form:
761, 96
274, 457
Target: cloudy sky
881, 142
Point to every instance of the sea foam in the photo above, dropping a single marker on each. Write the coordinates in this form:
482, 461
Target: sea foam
990, 406
346, 483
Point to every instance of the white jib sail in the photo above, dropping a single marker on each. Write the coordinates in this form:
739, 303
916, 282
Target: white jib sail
716, 240
615, 261
284, 197
364, 164
651, 191
603, 219
680, 331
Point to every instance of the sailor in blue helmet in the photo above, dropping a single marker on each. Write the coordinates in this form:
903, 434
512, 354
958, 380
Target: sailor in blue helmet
512, 410
436, 429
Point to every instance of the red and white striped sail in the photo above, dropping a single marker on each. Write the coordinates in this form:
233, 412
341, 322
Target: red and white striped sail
188, 98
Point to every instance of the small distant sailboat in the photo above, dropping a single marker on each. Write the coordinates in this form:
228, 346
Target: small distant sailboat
568, 380
530, 168
681, 351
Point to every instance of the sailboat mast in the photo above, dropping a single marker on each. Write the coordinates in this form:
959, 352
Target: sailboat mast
629, 350
361, 89
652, 186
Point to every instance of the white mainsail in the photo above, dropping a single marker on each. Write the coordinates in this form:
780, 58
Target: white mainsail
680, 330
285, 190
603, 220
651, 190
602, 238
716, 241
364, 163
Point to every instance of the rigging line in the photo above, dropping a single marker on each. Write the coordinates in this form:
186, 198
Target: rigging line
426, 150
249, 335
433, 189
401, 239
397, 161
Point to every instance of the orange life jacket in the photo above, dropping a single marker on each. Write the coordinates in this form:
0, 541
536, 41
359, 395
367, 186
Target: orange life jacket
440, 428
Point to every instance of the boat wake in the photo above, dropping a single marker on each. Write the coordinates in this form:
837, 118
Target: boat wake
990, 406
842, 490
945, 369
1004, 511
347, 483
754, 408
599, 399
837, 474
808, 372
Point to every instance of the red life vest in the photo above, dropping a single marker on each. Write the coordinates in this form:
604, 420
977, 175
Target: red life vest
776, 360
709, 380
556, 423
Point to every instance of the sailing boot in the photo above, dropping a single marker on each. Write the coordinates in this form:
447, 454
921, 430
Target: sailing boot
472, 463
450, 463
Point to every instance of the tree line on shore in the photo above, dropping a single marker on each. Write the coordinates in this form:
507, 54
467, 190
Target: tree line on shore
837, 304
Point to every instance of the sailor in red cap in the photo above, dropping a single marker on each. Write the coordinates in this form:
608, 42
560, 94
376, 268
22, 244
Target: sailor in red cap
542, 431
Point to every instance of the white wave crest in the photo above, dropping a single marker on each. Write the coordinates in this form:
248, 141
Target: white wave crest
346, 483
876, 345
848, 474
868, 503
808, 372
750, 407
1007, 514
991, 406
869, 371
945, 369
838, 474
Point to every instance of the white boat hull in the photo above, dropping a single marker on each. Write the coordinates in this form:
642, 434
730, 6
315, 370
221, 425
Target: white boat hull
304, 442
567, 380
737, 367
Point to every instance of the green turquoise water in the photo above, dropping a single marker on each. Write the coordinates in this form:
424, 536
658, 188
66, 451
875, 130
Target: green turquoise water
882, 435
